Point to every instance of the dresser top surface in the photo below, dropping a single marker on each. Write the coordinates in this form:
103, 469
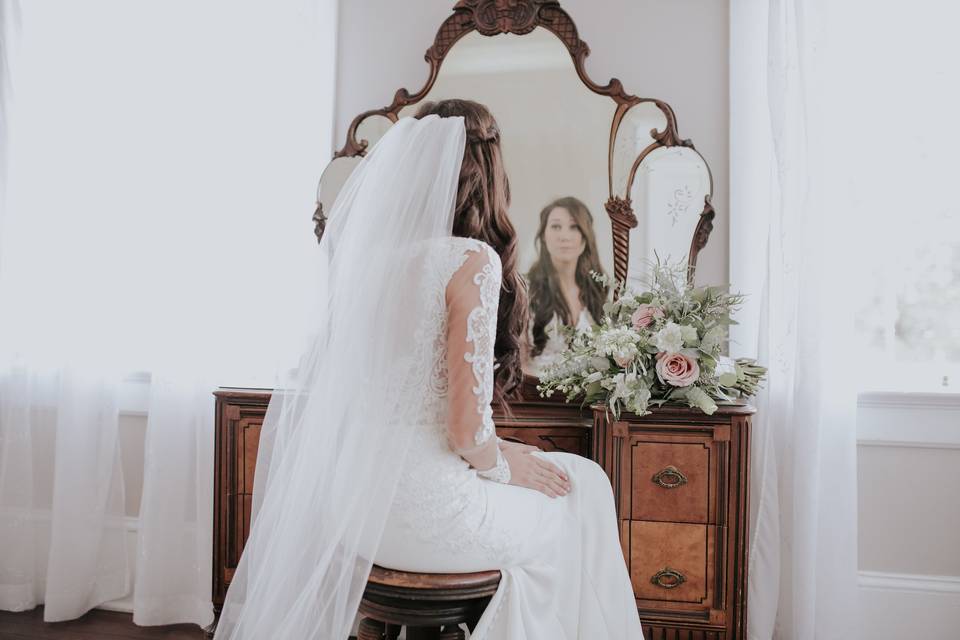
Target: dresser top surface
683, 410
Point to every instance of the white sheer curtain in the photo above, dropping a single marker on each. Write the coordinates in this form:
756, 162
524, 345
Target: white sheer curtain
162, 165
793, 250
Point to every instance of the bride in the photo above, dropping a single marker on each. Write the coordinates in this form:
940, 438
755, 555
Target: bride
381, 446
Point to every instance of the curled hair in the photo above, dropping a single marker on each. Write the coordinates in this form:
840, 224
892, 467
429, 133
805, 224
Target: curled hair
483, 200
546, 298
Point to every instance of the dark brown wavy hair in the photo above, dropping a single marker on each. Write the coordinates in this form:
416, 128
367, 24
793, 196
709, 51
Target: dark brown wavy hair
546, 298
483, 200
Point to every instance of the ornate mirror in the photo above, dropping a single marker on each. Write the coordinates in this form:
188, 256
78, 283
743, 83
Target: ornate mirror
579, 155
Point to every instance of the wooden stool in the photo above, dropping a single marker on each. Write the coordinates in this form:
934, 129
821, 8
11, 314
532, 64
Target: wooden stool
430, 605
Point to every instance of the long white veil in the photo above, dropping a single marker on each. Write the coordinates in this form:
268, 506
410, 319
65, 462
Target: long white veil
336, 433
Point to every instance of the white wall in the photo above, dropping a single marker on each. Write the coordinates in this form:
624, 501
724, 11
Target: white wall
909, 515
675, 50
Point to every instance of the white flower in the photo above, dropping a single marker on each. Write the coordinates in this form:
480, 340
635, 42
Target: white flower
600, 364
638, 404
622, 383
669, 338
689, 335
616, 340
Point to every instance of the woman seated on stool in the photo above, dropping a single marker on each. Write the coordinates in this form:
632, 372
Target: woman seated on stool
385, 450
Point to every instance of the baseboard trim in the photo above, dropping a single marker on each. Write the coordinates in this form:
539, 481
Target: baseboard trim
908, 444
880, 580
894, 606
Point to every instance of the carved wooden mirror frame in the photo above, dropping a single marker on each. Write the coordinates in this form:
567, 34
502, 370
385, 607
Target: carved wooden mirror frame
519, 17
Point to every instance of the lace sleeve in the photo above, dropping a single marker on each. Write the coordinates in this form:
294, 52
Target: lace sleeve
473, 295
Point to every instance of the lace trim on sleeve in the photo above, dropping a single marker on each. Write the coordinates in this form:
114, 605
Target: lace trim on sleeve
482, 331
500, 472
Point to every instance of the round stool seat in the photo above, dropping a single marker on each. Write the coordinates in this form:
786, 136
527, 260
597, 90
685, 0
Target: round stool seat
423, 602
453, 586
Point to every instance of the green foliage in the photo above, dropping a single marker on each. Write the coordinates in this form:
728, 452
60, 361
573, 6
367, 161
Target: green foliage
663, 344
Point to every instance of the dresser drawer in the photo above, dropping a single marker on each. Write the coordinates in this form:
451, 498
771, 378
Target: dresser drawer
670, 562
670, 481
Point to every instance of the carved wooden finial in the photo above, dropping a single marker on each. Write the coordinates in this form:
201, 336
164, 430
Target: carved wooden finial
319, 222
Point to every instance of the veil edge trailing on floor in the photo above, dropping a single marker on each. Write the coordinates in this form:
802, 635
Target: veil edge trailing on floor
336, 431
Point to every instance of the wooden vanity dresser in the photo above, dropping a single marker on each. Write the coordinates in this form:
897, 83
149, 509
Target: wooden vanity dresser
680, 479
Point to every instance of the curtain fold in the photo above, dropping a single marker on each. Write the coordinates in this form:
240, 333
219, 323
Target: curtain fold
175, 543
791, 233
88, 555
62, 529
156, 221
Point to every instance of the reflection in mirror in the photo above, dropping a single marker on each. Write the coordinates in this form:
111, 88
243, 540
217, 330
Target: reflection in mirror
331, 181
562, 289
554, 135
335, 175
634, 134
372, 129
668, 197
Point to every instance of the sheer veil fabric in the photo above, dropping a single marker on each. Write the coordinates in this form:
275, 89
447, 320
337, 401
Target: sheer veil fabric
337, 430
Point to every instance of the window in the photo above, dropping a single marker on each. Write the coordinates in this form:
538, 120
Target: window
908, 321
900, 101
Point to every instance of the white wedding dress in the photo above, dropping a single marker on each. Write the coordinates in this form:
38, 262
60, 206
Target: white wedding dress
356, 459
563, 572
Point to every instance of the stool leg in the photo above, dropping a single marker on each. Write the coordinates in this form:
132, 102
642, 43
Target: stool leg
452, 632
393, 631
370, 629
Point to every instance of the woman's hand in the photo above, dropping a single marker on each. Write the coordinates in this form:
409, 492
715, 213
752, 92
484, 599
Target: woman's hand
527, 470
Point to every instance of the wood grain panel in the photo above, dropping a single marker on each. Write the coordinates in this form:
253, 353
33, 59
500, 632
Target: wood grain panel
250, 444
574, 440
247, 441
667, 546
684, 465
239, 416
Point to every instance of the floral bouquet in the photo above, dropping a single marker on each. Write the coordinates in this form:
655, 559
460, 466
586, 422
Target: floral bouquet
662, 345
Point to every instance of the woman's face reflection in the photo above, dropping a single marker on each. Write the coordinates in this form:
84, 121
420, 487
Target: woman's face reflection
562, 237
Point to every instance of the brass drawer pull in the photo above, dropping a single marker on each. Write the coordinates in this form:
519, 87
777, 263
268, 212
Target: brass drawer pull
670, 478
667, 578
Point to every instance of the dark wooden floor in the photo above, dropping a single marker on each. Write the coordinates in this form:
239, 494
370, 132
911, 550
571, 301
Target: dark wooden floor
96, 625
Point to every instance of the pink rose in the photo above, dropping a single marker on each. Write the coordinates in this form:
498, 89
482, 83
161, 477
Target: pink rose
644, 316
677, 369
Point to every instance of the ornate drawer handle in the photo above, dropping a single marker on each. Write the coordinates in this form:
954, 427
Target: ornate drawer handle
670, 478
667, 578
